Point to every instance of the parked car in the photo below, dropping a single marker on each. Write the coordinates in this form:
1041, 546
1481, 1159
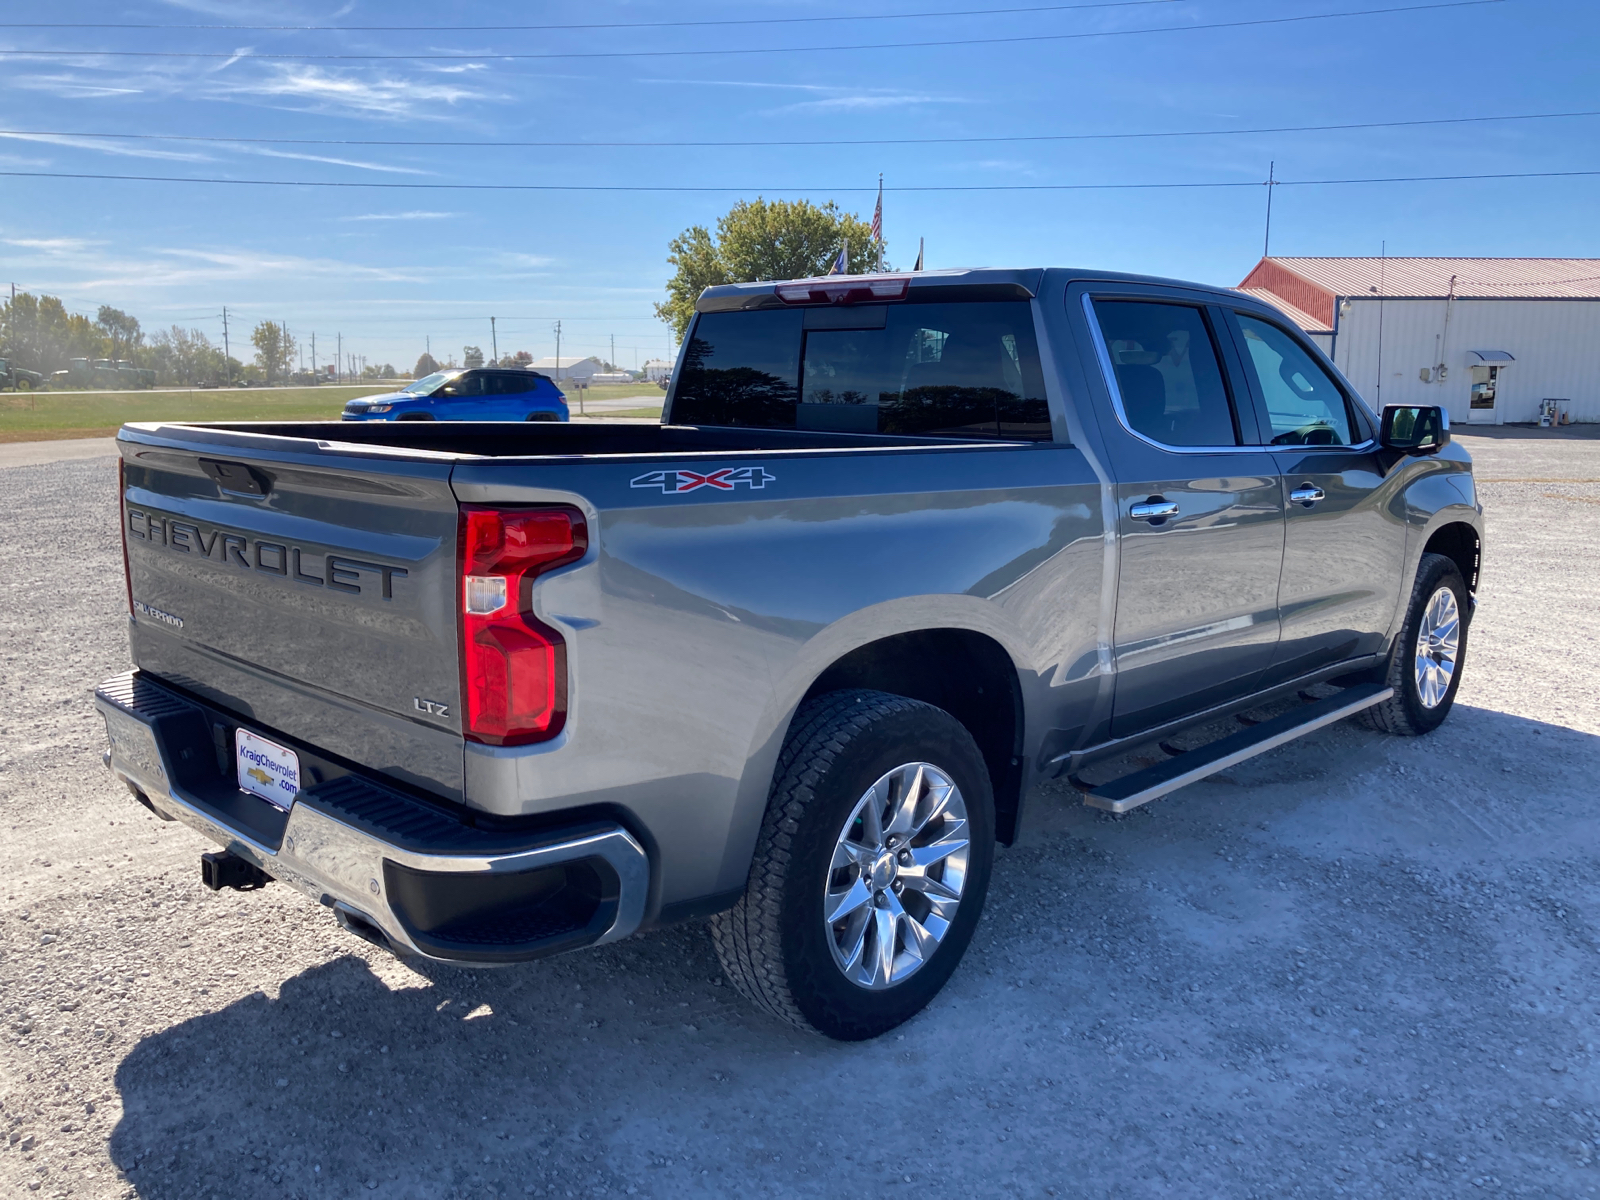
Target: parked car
19, 378
466, 394
900, 548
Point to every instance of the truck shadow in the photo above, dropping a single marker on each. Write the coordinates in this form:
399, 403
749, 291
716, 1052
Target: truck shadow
1286, 962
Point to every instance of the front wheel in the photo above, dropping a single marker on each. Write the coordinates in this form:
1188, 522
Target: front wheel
1424, 667
871, 868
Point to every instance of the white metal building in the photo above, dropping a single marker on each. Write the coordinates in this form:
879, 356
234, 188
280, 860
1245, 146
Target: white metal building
1490, 339
572, 370
658, 369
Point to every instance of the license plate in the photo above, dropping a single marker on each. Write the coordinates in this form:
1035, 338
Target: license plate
269, 770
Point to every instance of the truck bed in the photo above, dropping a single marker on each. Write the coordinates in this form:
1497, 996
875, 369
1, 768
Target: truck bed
549, 439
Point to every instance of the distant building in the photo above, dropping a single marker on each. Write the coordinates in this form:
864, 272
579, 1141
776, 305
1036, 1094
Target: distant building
657, 369
569, 370
1489, 339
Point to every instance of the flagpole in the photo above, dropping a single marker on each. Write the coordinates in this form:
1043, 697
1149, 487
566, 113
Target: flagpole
879, 222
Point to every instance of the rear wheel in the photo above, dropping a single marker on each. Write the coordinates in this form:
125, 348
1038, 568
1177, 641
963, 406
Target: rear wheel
24, 385
543, 416
1424, 667
871, 868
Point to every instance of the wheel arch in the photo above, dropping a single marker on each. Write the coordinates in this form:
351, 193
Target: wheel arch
1460, 542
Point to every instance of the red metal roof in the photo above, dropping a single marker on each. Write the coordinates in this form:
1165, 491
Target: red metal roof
1311, 284
1298, 315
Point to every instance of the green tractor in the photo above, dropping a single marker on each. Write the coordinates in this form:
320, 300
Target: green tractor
19, 379
76, 377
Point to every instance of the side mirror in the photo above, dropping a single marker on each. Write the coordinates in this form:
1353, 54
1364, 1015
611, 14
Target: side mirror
1414, 428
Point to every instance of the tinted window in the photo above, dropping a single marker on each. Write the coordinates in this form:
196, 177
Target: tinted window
1305, 407
741, 369
469, 383
936, 370
1167, 372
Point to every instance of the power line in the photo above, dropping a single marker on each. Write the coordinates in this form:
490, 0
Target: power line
984, 187
925, 141
454, 56
960, 12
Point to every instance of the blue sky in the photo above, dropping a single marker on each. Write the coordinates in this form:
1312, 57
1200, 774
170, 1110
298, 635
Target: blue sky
389, 269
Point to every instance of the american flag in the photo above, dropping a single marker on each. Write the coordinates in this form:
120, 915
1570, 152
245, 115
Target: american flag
877, 215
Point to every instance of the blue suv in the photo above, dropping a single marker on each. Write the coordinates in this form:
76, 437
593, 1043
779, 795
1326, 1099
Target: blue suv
475, 394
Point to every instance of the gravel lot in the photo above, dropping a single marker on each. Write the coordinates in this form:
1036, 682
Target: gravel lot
1358, 966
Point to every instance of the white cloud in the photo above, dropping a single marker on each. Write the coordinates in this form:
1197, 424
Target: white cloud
51, 245
338, 162
109, 146
376, 96
859, 101
402, 216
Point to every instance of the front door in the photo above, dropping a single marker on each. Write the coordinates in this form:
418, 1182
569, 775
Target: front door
1344, 549
1200, 513
1480, 406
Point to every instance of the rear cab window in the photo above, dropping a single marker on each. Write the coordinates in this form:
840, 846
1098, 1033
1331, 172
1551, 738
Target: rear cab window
960, 369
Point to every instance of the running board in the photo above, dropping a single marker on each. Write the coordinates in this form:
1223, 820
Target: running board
1152, 783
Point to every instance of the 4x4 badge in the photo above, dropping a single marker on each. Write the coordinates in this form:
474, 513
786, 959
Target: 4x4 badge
676, 483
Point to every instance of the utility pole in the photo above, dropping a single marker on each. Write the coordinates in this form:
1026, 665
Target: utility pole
227, 354
338, 359
1266, 242
613, 359
494, 342
558, 354
313, 353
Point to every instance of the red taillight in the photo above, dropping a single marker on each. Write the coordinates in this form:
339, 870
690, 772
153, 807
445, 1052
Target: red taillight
513, 666
122, 524
844, 289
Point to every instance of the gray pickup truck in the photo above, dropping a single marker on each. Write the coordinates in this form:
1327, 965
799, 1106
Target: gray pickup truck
900, 548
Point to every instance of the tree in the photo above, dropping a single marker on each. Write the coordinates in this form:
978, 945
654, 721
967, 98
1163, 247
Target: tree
38, 334
275, 350
426, 365
472, 356
761, 240
184, 356
121, 330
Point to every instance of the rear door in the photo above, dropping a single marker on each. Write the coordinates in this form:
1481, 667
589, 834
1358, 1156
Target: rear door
1200, 508
310, 591
1344, 550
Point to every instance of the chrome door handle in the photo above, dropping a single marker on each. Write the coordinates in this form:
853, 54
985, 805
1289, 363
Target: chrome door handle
1153, 509
1307, 494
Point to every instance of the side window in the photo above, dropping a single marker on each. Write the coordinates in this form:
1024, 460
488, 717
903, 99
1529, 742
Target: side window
515, 385
468, 384
1167, 373
741, 368
1304, 406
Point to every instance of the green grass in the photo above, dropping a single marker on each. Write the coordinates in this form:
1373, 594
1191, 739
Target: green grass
42, 416
614, 391
626, 414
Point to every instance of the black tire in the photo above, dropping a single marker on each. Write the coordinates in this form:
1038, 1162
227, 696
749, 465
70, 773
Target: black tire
415, 417
542, 416
773, 944
1404, 713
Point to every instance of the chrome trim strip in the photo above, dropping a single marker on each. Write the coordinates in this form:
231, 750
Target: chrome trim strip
1109, 374
332, 862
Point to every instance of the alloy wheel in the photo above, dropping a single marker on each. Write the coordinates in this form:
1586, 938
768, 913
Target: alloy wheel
1438, 644
897, 875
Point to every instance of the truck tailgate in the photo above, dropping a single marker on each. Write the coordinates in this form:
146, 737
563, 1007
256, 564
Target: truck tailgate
308, 587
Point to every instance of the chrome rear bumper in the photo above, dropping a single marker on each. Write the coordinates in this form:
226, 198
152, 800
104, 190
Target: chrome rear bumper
433, 886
